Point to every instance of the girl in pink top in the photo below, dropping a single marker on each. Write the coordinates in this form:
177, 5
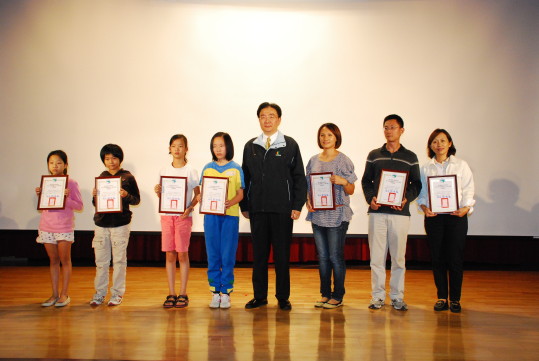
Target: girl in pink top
56, 231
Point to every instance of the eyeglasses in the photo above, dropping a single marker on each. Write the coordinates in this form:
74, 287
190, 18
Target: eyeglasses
270, 117
391, 128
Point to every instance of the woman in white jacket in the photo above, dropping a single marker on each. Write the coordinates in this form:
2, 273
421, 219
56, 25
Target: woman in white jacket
446, 232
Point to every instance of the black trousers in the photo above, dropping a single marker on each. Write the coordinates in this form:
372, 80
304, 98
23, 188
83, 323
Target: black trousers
271, 230
447, 236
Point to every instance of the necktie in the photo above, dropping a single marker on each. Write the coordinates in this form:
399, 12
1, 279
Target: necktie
268, 143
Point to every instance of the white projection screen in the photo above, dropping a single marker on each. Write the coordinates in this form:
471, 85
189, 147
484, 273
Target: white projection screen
75, 75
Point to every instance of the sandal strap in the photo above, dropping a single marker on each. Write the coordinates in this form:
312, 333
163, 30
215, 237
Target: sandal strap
170, 301
183, 301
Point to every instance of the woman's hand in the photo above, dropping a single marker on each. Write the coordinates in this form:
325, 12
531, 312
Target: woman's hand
309, 205
336, 179
347, 186
427, 211
38, 191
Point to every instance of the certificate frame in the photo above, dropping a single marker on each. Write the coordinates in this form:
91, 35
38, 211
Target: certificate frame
443, 193
108, 198
214, 194
392, 187
52, 196
322, 191
173, 197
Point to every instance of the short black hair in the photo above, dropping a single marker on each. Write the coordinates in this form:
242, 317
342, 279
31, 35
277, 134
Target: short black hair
333, 128
113, 149
396, 117
228, 144
61, 154
452, 150
268, 105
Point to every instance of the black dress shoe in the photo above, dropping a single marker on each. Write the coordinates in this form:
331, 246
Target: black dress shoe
285, 305
254, 303
441, 305
454, 306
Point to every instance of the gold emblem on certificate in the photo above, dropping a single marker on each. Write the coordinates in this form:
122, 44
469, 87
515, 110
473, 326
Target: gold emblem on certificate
108, 199
443, 196
322, 191
214, 195
173, 195
52, 192
392, 187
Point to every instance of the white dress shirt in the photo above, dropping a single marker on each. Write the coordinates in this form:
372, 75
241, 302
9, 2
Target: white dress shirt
452, 166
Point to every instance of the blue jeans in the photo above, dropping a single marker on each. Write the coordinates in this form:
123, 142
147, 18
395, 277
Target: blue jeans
330, 247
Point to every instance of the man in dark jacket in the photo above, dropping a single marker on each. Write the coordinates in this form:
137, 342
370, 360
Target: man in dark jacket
275, 192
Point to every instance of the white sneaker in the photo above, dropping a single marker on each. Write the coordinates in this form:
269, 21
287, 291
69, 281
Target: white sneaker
376, 304
225, 301
215, 301
115, 300
399, 304
97, 300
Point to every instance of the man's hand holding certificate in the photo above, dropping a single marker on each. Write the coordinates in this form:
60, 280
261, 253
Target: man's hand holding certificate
392, 188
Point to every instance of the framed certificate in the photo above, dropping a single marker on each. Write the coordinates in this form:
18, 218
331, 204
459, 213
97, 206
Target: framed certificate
108, 199
214, 194
52, 192
443, 196
392, 187
173, 195
322, 191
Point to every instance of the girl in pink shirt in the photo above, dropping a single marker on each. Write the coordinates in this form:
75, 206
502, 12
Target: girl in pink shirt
56, 231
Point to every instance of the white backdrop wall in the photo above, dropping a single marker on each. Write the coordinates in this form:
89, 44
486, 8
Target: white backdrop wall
75, 75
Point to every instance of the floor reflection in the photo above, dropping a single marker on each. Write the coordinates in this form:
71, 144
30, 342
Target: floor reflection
332, 335
447, 343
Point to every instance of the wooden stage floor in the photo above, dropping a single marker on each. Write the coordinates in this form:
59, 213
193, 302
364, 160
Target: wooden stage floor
500, 320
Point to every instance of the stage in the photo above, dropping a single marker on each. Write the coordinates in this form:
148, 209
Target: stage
499, 320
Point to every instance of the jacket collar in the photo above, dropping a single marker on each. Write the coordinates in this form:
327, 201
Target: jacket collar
280, 142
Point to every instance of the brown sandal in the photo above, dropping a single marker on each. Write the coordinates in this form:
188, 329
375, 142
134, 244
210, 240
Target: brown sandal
170, 301
182, 301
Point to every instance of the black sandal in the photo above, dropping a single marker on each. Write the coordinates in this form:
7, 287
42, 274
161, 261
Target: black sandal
182, 301
170, 301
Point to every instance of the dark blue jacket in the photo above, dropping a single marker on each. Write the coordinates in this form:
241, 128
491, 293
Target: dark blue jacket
274, 179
